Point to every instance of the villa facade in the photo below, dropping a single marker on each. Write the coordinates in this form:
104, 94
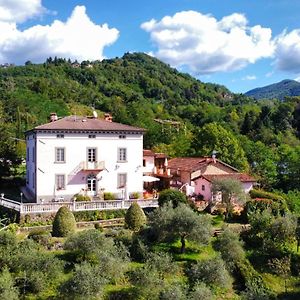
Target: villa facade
83, 155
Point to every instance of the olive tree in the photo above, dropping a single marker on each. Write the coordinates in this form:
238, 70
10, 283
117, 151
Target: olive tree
231, 190
181, 222
231, 248
171, 196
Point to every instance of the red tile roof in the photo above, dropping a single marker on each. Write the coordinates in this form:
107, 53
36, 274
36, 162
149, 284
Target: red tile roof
151, 153
191, 164
148, 152
238, 176
89, 124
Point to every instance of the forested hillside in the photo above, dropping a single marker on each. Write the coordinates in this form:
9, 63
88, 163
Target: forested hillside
261, 137
278, 90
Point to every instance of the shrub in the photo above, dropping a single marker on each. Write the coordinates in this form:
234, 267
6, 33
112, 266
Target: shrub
135, 217
174, 292
200, 291
231, 248
135, 195
293, 201
86, 280
8, 245
173, 196
254, 193
255, 286
138, 250
80, 197
98, 227
40, 236
64, 223
7, 289
109, 196
210, 271
277, 208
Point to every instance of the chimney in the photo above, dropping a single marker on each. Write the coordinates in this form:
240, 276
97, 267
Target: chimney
214, 155
108, 117
53, 117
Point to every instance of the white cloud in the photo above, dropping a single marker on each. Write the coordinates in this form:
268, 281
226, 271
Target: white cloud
207, 45
78, 38
20, 10
249, 77
288, 51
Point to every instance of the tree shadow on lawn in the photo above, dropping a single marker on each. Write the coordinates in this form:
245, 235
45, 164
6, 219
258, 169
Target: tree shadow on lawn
192, 253
292, 295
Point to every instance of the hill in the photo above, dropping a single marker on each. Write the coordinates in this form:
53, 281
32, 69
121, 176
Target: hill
280, 90
258, 136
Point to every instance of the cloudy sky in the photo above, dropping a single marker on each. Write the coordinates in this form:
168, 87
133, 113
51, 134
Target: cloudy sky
241, 44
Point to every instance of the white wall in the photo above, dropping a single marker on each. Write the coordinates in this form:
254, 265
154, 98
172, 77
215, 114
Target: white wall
30, 164
76, 145
149, 167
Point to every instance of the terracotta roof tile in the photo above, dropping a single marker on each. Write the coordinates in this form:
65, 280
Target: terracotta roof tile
191, 164
185, 163
238, 176
148, 152
84, 123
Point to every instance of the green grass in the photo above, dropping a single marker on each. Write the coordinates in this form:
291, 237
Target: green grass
276, 284
217, 221
193, 251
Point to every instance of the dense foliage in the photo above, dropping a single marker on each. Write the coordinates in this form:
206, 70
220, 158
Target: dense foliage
171, 196
259, 136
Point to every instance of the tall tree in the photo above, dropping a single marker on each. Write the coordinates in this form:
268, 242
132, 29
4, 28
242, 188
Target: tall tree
214, 137
231, 192
181, 222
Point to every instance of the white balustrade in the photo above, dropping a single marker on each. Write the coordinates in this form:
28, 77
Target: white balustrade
27, 208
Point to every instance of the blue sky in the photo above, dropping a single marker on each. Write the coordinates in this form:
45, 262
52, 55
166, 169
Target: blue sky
241, 44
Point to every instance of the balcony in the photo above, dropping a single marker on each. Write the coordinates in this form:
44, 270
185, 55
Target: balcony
162, 172
92, 166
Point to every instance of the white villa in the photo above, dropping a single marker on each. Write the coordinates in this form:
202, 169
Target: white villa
83, 155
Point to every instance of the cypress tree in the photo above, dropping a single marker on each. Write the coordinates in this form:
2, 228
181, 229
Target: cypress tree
135, 217
64, 223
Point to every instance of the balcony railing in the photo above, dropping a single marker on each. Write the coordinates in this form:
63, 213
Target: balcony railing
162, 171
27, 208
92, 165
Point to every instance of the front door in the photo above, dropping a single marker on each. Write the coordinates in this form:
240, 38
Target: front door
92, 185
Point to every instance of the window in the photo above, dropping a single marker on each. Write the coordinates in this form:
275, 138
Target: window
144, 162
203, 187
27, 154
60, 155
122, 180
60, 136
60, 182
91, 154
122, 136
122, 154
92, 136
